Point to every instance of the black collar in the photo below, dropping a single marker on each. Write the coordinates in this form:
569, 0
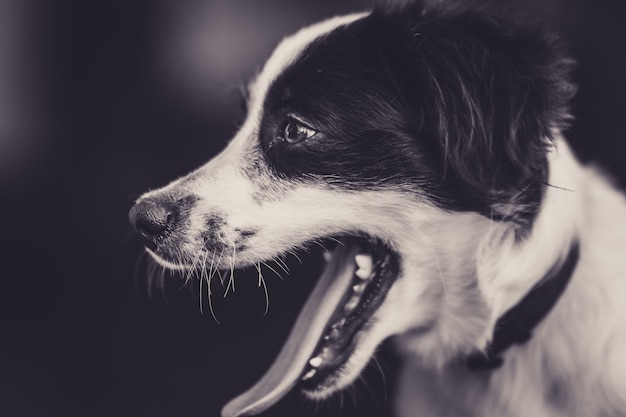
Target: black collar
515, 326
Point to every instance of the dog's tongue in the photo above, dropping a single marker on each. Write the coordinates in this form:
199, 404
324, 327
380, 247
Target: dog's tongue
302, 341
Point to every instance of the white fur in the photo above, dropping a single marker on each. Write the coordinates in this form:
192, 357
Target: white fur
574, 364
460, 273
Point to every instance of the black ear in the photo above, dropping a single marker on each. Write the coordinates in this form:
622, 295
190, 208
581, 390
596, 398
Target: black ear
486, 93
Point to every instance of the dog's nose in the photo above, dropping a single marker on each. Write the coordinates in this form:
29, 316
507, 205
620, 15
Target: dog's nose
151, 219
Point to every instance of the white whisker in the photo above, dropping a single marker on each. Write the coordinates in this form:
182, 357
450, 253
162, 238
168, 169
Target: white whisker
217, 263
282, 265
296, 256
211, 272
273, 270
337, 240
210, 292
231, 280
192, 270
202, 275
320, 245
262, 282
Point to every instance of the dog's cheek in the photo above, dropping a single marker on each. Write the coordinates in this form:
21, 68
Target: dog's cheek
413, 302
438, 302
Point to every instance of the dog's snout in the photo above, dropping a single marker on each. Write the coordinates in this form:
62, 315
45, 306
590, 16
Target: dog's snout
151, 219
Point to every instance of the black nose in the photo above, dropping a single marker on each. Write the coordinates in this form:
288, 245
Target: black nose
151, 219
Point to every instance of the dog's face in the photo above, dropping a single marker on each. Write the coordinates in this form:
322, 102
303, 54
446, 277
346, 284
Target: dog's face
407, 144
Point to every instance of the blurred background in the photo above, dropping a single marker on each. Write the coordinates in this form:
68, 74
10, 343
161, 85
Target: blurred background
103, 100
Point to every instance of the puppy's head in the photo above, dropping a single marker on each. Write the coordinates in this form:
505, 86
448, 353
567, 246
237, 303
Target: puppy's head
408, 143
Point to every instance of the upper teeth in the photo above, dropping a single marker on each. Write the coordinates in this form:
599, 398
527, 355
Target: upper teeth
316, 361
358, 288
364, 263
364, 271
351, 304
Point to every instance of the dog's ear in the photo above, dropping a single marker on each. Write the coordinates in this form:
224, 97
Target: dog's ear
485, 92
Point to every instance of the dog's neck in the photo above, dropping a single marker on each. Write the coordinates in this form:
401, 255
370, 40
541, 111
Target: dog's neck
515, 320
489, 270
577, 345
519, 267
516, 325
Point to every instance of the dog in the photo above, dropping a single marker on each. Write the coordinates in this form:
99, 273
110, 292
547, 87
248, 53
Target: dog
423, 147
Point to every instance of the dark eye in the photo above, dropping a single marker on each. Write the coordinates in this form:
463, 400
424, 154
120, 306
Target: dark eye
295, 131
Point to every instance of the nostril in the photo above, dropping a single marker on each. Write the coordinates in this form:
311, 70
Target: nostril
151, 219
148, 229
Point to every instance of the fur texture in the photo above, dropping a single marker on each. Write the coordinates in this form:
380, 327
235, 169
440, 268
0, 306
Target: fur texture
436, 131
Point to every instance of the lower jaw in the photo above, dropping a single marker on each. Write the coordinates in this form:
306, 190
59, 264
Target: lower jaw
325, 389
330, 379
335, 380
336, 369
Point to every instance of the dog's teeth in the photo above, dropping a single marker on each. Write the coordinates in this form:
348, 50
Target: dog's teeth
358, 288
364, 263
338, 324
334, 333
351, 305
363, 274
309, 374
316, 361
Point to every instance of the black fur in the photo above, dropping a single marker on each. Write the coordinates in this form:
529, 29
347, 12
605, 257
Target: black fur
452, 104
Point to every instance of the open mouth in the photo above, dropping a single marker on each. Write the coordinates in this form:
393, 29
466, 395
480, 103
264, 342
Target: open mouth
357, 276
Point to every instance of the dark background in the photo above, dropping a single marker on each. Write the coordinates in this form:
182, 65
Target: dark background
103, 100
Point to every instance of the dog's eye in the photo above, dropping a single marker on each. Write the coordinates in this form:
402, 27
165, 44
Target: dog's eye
295, 131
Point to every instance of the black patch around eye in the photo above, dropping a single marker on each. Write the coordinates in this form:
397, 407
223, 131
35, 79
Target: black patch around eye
293, 131
365, 138
450, 104
350, 117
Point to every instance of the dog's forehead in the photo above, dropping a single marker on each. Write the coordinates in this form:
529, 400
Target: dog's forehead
288, 52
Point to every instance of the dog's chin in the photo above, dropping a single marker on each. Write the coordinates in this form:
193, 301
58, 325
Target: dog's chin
329, 343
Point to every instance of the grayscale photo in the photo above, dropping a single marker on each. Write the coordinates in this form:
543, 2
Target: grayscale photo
381, 208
